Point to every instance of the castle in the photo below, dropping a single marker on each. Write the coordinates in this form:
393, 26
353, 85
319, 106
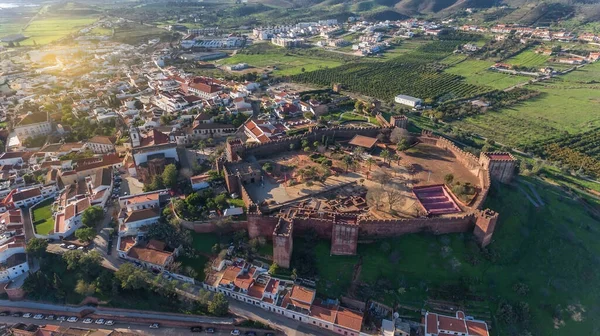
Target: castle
344, 230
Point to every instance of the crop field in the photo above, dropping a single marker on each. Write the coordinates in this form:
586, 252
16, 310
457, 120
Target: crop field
476, 72
411, 74
46, 30
528, 58
547, 251
286, 65
566, 106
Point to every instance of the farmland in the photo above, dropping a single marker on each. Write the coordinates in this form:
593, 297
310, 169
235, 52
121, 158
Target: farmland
50, 23
412, 73
528, 58
563, 108
476, 72
286, 62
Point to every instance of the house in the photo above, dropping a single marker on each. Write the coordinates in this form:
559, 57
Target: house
152, 199
253, 285
133, 222
13, 266
200, 182
408, 100
437, 324
211, 130
262, 131
89, 167
14, 158
204, 90
32, 125
153, 255
99, 186
101, 144
363, 141
25, 198
69, 220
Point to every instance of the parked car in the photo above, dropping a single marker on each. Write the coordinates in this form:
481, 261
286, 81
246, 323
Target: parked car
4, 313
17, 314
87, 320
109, 323
81, 248
72, 319
38, 317
27, 315
196, 329
61, 318
50, 317
154, 326
72, 247
210, 330
63, 245
235, 332
99, 321
250, 333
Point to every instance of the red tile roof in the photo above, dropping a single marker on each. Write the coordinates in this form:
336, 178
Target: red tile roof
23, 195
349, 319
477, 328
325, 314
302, 294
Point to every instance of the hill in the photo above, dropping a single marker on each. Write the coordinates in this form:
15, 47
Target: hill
522, 11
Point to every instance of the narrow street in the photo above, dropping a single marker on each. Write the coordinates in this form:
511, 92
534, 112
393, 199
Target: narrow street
27, 224
289, 326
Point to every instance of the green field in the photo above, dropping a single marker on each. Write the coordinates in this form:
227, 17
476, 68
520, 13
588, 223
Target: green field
286, 64
203, 242
552, 251
42, 217
567, 104
476, 72
46, 30
136, 34
197, 264
528, 58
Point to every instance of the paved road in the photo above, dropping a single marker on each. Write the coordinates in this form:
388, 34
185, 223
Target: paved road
289, 326
110, 313
27, 225
140, 328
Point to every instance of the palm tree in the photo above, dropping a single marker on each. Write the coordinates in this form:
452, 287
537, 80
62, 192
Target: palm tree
385, 154
348, 160
370, 161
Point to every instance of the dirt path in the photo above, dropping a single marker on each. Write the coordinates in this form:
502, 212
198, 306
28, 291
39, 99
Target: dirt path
355, 277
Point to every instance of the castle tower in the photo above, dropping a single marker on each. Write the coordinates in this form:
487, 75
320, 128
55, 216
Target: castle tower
233, 149
134, 133
344, 236
283, 242
399, 121
485, 224
500, 165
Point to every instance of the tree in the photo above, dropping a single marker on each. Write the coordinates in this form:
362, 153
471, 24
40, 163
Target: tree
316, 144
385, 155
292, 147
201, 145
382, 177
36, 247
449, 178
85, 234
399, 134
219, 306
169, 176
131, 277
273, 269
85, 288
370, 161
268, 167
92, 215
402, 145
156, 184
348, 161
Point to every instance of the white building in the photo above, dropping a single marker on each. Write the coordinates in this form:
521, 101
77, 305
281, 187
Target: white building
408, 100
34, 124
101, 144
